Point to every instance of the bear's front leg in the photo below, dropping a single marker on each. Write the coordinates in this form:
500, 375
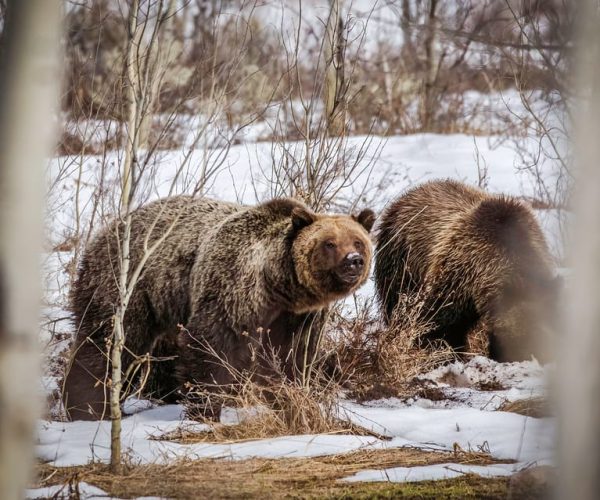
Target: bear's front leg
85, 394
210, 365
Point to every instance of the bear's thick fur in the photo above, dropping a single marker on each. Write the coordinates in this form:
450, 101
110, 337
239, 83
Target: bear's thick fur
222, 275
476, 264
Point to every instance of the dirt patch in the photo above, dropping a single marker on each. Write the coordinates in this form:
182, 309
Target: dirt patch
371, 392
283, 478
433, 393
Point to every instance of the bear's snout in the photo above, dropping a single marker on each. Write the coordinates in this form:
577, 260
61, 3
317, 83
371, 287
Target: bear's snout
351, 267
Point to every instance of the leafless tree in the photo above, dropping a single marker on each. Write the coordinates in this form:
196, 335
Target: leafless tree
334, 90
322, 163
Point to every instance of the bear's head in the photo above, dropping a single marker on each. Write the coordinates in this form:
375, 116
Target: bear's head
332, 253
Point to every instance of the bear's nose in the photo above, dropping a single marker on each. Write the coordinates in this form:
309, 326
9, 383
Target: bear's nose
354, 261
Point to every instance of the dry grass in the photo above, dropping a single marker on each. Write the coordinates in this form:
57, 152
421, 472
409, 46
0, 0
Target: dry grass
537, 407
371, 361
281, 478
381, 361
269, 405
256, 427
288, 408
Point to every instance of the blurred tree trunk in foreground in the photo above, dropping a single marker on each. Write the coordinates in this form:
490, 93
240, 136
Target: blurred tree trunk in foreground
578, 371
29, 81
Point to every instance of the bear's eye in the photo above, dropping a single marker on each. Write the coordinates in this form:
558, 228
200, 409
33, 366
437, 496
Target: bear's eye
330, 245
358, 244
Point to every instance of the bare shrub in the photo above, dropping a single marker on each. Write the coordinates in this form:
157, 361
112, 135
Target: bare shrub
268, 401
282, 408
380, 360
322, 164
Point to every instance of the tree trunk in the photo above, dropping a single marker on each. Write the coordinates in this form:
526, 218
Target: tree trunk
128, 169
29, 79
144, 61
579, 369
430, 70
163, 49
335, 91
408, 48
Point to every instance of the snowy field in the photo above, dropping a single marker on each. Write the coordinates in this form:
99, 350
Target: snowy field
466, 417
467, 420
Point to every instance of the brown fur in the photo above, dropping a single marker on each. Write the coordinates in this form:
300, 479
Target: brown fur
233, 276
479, 261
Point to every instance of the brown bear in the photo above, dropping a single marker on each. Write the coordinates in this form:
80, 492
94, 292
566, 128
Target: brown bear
477, 265
224, 277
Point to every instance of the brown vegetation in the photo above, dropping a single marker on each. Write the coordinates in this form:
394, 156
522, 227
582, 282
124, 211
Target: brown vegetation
280, 478
447, 51
377, 360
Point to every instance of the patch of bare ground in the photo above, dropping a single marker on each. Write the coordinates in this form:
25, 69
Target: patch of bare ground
281, 478
490, 385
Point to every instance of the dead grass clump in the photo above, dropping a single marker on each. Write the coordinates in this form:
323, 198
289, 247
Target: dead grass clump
277, 410
270, 405
382, 361
537, 407
288, 408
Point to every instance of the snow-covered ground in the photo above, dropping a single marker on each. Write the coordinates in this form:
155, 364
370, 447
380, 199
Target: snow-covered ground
422, 424
467, 417
386, 166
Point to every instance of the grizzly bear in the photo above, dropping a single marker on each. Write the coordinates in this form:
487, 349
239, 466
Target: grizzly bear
476, 264
221, 279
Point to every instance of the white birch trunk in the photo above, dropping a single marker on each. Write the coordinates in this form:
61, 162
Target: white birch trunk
144, 62
129, 163
29, 81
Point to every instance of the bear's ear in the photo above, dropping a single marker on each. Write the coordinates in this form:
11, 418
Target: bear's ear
366, 219
302, 217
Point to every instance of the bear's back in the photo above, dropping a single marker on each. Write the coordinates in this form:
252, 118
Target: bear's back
415, 222
459, 236
168, 231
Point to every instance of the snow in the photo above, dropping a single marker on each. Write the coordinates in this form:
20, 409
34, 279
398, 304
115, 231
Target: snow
433, 472
465, 417
506, 436
461, 383
77, 443
82, 490
386, 165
